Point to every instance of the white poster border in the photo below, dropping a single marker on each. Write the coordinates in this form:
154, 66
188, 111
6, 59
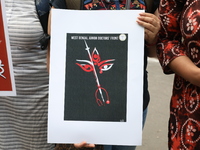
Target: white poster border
115, 133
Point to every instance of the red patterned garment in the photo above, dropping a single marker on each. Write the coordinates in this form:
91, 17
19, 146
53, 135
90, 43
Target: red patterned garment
180, 35
111, 5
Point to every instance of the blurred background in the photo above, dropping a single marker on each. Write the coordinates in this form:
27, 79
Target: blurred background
155, 132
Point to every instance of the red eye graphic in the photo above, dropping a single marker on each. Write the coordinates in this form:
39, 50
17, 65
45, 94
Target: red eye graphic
104, 66
86, 67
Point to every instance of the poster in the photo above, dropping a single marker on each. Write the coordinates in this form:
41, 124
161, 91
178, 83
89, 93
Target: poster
100, 80
96, 78
7, 84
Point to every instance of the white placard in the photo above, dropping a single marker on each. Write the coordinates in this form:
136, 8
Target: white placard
96, 77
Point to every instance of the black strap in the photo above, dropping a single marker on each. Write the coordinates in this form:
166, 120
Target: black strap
43, 17
74, 4
149, 5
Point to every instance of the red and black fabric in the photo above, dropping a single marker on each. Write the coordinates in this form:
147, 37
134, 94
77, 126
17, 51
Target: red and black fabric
179, 36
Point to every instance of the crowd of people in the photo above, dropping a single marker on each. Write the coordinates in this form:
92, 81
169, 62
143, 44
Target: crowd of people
171, 33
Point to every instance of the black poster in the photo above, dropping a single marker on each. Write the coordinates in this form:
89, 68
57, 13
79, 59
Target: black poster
96, 77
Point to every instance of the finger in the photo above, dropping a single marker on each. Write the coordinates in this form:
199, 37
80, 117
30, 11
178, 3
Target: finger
153, 27
149, 18
148, 15
83, 144
146, 21
148, 26
151, 24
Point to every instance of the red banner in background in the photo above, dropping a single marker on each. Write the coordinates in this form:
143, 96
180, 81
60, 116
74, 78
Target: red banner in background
5, 81
6, 72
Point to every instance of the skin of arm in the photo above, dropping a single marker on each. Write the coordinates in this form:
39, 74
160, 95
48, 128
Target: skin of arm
185, 68
48, 50
151, 23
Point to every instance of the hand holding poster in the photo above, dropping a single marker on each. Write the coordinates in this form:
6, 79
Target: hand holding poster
7, 84
96, 78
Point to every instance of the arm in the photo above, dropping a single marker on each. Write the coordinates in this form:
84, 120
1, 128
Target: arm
48, 50
171, 51
185, 68
151, 23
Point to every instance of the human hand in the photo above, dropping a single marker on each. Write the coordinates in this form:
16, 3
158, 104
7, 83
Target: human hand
83, 144
151, 24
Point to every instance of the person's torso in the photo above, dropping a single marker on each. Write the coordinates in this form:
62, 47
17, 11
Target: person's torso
24, 31
23, 25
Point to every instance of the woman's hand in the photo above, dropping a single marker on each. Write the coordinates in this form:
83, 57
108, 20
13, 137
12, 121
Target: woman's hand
151, 24
83, 144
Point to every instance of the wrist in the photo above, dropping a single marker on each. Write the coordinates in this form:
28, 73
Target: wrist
152, 43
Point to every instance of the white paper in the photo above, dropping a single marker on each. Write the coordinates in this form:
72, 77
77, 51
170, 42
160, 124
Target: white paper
66, 22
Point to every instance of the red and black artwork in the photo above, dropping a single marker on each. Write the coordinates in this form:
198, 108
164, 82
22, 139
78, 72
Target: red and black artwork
89, 66
96, 77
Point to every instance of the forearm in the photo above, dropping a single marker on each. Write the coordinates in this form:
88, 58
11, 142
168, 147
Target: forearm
184, 67
48, 58
151, 48
152, 51
49, 32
